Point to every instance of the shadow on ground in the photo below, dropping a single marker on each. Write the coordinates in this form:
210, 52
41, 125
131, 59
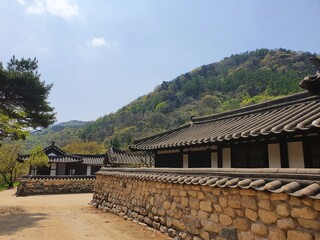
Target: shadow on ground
15, 219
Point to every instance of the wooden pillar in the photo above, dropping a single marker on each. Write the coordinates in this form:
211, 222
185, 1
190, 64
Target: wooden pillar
284, 154
220, 157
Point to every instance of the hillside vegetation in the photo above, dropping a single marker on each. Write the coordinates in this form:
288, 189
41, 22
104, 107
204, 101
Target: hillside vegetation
236, 81
61, 133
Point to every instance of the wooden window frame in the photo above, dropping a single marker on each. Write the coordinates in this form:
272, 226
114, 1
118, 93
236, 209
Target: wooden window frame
204, 152
248, 147
308, 161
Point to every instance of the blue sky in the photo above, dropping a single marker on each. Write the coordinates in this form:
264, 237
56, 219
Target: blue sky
100, 54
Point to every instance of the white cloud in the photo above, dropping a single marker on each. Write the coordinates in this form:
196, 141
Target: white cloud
43, 50
22, 2
96, 42
61, 8
37, 8
100, 41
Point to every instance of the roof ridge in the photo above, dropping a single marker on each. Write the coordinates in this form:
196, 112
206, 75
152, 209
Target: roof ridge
259, 110
259, 107
87, 155
160, 134
117, 150
72, 155
53, 146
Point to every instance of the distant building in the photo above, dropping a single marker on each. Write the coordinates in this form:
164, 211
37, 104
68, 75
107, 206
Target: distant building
283, 133
62, 163
119, 158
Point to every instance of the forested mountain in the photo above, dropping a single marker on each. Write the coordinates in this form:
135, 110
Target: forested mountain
69, 124
236, 81
61, 133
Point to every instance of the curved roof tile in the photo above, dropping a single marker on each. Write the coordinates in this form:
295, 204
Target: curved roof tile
116, 157
92, 159
299, 112
298, 185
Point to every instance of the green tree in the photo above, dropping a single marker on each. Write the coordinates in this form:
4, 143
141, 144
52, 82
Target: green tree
37, 158
23, 99
162, 107
210, 101
238, 80
122, 137
10, 169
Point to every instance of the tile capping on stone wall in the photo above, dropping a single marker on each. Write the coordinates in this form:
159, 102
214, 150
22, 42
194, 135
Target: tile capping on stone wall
230, 204
298, 182
43, 184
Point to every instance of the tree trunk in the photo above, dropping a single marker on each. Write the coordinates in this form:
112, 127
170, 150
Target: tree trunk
6, 180
11, 180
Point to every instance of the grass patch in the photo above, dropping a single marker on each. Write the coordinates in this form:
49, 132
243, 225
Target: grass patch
5, 186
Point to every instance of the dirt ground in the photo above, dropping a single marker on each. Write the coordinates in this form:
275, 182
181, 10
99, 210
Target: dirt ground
64, 217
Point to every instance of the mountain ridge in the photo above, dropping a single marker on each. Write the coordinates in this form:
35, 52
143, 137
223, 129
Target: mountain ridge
236, 81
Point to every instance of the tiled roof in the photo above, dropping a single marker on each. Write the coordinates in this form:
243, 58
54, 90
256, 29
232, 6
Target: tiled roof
95, 160
116, 158
56, 155
53, 148
22, 158
92, 159
68, 158
295, 182
293, 114
64, 159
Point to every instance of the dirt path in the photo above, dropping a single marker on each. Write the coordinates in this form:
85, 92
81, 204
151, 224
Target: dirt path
64, 217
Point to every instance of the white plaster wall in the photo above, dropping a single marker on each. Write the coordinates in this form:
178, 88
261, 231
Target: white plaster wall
88, 170
33, 171
214, 159
295, 155
185, 158
226, 158
274, 155
53, 169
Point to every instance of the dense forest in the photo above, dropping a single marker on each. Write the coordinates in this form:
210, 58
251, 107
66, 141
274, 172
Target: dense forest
236, 81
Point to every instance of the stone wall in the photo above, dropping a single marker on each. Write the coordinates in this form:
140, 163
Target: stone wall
55, 185
197, 211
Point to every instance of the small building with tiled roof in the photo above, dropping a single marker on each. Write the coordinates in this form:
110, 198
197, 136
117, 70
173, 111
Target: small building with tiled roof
283, 133
62, 163
93, 162
119, 158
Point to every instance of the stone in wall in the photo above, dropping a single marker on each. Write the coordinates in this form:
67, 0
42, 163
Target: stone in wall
186, 211
37, 186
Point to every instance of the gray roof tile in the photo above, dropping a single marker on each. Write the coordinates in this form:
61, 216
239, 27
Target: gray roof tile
117, 158
305, 184
296, 113
92, 159
62, 157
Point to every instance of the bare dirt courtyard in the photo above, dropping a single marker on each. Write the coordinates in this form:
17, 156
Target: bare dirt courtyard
64, 217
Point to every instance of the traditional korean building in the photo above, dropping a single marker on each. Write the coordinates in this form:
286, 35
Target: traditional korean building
283, 133
62, 163
119, 158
